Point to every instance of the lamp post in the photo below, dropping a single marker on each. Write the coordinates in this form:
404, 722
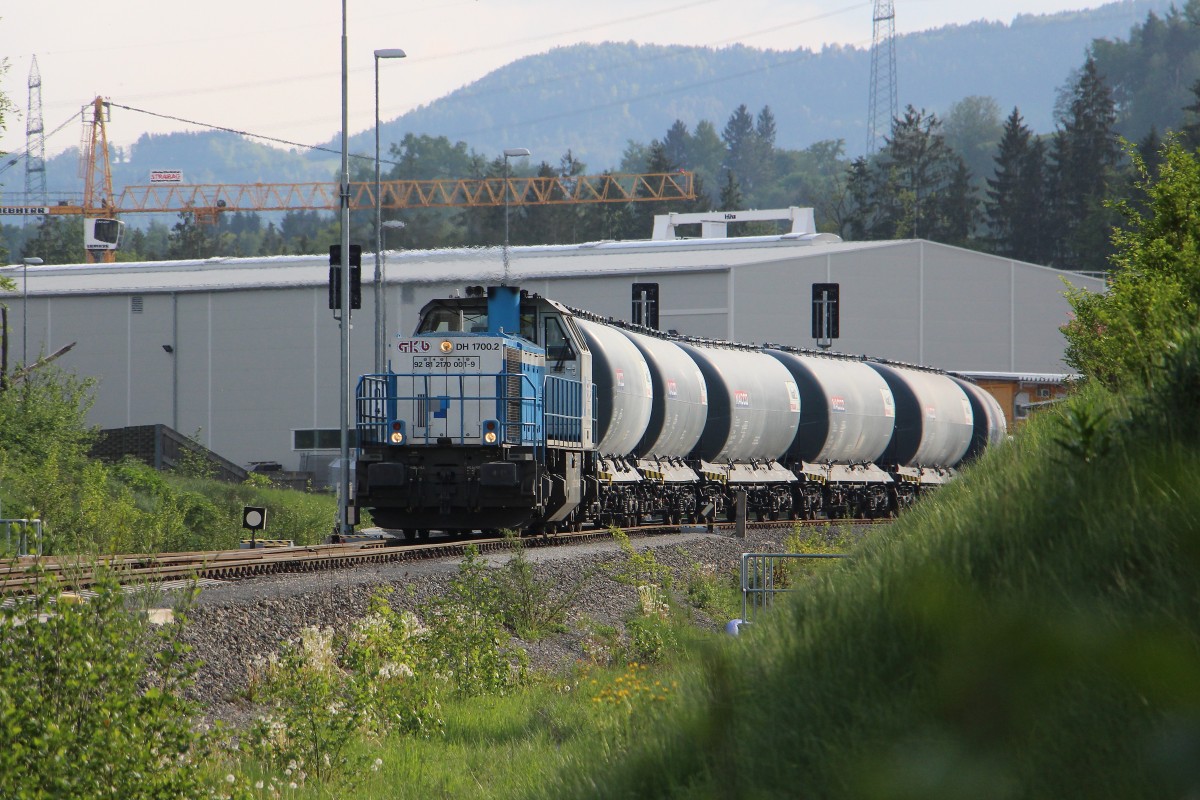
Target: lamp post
343, 527
25, 264
509, 152
381, 324
380, 313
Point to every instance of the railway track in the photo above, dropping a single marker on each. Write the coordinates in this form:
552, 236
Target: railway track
23, 575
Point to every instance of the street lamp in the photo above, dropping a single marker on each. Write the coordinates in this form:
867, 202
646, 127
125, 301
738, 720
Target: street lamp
343, 527
381, 323
26, 264
380, 314
509, 152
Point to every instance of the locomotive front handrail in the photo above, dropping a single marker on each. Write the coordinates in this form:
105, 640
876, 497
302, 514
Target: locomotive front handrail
378, 404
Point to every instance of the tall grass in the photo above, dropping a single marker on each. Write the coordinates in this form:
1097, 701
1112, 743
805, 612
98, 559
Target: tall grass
1032, 632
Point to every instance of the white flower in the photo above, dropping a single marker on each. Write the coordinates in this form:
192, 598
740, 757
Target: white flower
258, 784
230, 779
378, 763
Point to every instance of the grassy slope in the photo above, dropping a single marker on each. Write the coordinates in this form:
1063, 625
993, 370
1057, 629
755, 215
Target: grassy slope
1031, 633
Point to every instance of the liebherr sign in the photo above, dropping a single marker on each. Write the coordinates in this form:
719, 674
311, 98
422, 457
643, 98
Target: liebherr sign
24, 211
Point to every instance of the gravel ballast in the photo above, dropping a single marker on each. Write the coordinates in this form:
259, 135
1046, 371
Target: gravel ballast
232, 624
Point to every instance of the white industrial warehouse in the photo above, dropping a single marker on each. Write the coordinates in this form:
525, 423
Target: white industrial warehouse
245, 352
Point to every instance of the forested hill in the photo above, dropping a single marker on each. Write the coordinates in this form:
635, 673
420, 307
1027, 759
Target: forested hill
594, 99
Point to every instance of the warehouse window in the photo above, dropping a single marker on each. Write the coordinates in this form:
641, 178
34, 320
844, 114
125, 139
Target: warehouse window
320, 439
645, 305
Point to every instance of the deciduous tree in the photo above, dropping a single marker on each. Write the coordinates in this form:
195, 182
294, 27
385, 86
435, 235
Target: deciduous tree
1117, 337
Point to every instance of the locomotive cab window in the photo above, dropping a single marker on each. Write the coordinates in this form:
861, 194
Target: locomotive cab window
475, 320
442, 319
529, 325
558, 346
450, 319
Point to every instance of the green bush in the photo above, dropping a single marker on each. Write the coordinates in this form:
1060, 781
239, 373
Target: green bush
91, 701
467, 642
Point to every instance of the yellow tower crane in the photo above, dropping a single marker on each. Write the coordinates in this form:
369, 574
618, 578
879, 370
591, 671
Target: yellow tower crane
101, 206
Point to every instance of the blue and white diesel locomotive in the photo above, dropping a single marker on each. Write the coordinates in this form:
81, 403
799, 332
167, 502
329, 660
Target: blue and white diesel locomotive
509, 410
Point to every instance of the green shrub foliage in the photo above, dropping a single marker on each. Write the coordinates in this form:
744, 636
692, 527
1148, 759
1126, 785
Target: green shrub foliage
1120, 337
91, 702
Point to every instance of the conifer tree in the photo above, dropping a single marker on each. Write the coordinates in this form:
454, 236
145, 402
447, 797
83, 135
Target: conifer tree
731, 193
1015, 206
677, 144
1084, 155
740, 146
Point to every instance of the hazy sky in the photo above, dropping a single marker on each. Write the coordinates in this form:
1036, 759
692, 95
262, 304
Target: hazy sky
274, 68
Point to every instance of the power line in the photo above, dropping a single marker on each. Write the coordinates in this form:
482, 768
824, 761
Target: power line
245, 133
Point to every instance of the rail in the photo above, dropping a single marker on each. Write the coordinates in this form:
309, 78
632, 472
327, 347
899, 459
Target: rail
22, 575
759, 574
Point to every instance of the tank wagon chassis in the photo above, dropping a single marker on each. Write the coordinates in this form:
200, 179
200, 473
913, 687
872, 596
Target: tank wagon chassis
509, 410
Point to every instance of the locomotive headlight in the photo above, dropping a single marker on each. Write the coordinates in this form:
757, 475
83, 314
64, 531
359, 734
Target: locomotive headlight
446, 346
491, 431
396, 436
489, 437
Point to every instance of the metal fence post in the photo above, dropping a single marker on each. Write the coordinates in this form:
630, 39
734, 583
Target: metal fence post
758, 579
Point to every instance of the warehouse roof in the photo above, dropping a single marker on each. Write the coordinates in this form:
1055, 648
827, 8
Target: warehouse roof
463, 264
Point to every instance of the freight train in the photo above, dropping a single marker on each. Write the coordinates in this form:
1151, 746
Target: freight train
510, 410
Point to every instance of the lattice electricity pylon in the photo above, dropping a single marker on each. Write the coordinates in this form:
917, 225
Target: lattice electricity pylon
35, 142
883, 73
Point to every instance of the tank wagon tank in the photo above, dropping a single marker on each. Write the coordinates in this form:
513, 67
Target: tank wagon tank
848, 416
507, 409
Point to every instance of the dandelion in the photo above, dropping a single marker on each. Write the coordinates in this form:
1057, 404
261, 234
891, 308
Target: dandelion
292, 785
258, 785
378, 763
229, 778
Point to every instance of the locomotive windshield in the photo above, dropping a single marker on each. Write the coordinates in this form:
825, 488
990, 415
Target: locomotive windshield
470, 318
447, 318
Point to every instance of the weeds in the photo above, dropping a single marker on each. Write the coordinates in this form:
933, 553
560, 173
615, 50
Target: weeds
529, 607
